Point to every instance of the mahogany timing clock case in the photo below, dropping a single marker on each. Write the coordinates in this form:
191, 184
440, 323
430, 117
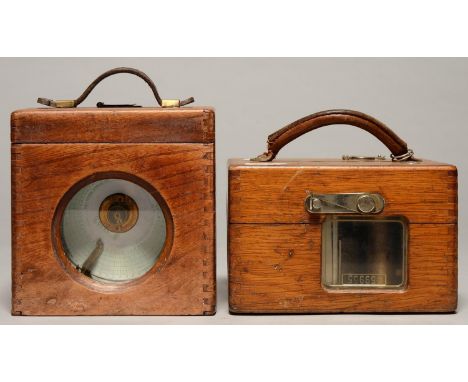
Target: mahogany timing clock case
113, 208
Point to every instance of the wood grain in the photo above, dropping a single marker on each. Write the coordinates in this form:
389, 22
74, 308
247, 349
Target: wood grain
183, 174
274, 193
276, 268
275, 245
113, 125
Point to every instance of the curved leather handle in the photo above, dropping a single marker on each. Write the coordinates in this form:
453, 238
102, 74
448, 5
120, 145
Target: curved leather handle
282, 137
89, 89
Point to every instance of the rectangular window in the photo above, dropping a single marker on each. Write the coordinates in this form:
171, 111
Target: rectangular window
364, 253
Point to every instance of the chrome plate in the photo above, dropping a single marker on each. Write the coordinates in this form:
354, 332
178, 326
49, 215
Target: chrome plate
364, 252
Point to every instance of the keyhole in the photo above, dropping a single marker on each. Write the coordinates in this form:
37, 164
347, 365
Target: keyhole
118, 218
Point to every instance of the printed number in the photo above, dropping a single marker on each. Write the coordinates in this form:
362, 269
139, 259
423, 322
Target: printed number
361, 279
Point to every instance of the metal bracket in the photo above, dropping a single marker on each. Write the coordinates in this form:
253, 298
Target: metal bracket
63, 103
170, 103
350, 203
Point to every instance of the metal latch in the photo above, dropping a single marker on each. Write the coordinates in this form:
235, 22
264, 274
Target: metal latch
106, 105
357, 157
351, 203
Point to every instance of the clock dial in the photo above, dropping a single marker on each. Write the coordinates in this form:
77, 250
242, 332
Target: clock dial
113, 230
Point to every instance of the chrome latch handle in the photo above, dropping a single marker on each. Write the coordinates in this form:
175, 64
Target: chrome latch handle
349, 203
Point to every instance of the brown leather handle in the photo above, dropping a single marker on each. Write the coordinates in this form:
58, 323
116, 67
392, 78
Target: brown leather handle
89, 89
282, 137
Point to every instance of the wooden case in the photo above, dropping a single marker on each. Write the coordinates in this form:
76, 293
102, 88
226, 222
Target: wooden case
275, 244
168, 151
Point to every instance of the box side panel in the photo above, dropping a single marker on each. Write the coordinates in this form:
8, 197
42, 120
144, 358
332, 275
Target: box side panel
275, 194
183, 284
276, 268
209, 234
113, 125
16, 223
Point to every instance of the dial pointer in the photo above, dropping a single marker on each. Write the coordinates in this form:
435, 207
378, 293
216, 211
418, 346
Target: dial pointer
89, 263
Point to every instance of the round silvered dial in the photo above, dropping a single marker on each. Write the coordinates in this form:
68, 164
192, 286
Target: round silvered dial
113, 230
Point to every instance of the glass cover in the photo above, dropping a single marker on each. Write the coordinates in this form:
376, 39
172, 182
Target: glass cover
360, 252
113, 230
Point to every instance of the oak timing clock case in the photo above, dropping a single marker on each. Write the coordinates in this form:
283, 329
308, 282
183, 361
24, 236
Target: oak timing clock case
357, 234
113, 208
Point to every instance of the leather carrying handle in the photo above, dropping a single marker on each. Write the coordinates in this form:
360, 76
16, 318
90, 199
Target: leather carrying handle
89, 89
282, 137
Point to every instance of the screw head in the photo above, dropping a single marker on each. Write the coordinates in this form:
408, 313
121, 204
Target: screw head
316, 204
365, 204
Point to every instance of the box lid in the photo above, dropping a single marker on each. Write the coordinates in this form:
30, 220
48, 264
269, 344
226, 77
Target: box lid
66, 123
268, 191
113, 125
274, 192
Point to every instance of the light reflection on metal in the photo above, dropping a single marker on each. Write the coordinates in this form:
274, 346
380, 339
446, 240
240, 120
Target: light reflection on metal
364, 252
349, 203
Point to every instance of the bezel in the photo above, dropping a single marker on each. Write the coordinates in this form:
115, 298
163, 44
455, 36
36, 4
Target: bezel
92, 283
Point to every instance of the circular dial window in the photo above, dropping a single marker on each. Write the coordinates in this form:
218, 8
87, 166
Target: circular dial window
113, 230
